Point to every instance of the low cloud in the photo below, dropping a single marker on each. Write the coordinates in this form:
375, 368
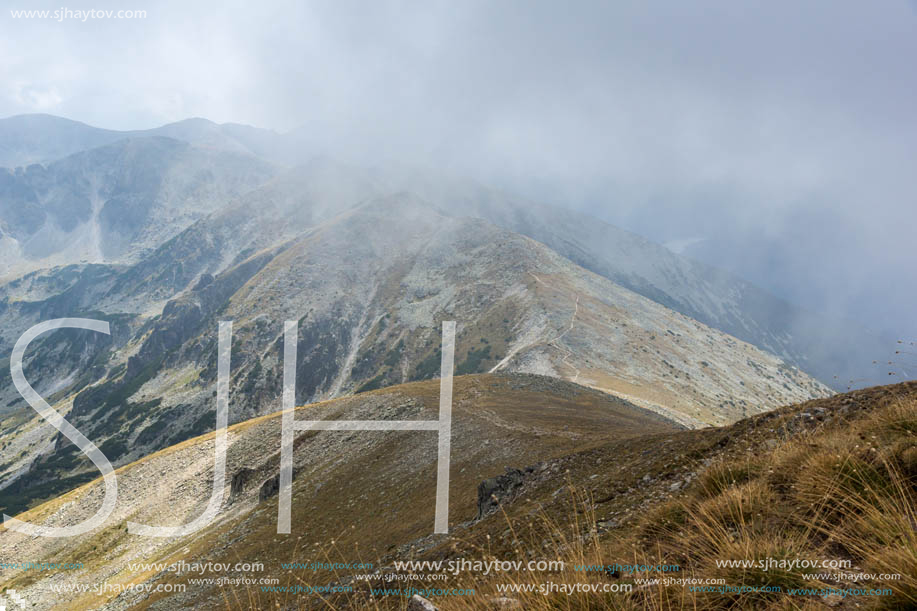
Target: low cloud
747, 127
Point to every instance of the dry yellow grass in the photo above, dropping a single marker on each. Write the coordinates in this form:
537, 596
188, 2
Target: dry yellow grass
838, 488
846, 491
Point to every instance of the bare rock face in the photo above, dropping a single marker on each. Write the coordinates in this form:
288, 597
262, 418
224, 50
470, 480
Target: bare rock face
239, 480
269, 488
494, 490
118, 202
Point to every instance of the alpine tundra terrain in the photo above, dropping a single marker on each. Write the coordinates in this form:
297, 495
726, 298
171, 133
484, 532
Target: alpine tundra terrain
542, 469
169, 233
359, 488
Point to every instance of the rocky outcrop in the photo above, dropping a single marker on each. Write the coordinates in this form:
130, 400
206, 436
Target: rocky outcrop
239, 481
271, 486
495, 490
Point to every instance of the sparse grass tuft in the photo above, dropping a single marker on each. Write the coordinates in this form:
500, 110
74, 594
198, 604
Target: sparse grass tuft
722, 476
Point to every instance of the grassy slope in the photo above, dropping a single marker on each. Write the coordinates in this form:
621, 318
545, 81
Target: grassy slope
827, 479
831, 479
376, 489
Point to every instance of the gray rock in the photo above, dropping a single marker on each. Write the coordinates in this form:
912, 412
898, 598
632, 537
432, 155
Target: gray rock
606, 524
494, 490
239, 481
269, 488
419, 603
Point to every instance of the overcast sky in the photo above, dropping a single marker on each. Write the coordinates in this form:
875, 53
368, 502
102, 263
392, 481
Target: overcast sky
778, 138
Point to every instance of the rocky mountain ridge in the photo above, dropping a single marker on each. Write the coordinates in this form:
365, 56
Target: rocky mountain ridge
369, 263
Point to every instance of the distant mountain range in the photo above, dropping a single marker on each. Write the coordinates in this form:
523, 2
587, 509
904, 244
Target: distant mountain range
117, 202
166, 232
30, 139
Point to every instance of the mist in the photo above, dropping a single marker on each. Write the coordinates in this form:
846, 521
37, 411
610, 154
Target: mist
776, 141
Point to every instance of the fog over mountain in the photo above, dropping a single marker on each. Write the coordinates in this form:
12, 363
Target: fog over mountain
163, 239
614, 281
779, 140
